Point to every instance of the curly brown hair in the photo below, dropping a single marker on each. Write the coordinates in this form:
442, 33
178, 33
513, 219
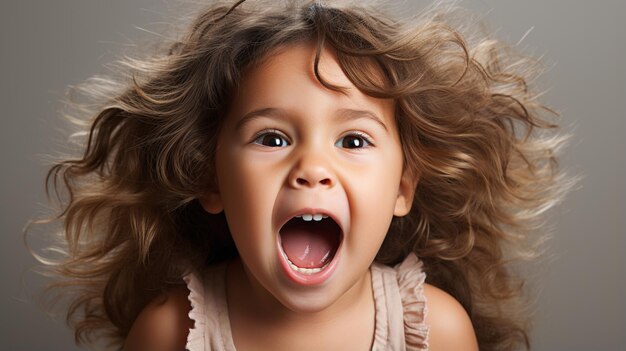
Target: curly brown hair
470, 126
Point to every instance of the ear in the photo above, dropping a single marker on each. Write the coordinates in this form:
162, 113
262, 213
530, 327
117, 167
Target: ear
212, 202
406, 192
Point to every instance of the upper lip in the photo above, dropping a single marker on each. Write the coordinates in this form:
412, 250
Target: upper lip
313, 211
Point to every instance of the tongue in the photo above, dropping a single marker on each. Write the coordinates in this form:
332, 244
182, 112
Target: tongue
308, 244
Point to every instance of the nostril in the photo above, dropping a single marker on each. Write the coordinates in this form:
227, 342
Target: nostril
304, 182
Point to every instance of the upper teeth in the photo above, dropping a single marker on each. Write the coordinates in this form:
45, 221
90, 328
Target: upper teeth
309, 217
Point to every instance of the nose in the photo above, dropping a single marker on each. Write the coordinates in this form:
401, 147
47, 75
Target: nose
312, 170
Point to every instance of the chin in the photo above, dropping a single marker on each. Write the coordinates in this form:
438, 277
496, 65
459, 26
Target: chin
308, 302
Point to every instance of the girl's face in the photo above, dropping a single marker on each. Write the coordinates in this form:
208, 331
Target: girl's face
290, 147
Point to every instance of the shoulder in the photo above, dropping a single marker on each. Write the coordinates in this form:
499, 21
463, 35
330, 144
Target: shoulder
163, 324
449, 324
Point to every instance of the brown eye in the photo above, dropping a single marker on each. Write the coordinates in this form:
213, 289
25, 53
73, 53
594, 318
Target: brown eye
271, 139
353, 141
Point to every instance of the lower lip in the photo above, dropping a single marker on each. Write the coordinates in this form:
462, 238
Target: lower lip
308, 279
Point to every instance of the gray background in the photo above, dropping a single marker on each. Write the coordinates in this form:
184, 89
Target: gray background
47, 45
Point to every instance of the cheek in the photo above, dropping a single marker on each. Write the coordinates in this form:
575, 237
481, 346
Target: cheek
376, 196
373, 199
247, 188
379, 179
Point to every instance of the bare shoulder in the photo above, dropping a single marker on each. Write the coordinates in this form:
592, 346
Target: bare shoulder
449, 324
163, 324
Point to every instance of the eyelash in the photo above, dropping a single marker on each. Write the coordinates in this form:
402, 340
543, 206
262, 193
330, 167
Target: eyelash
270, 132
258, 138
360, 135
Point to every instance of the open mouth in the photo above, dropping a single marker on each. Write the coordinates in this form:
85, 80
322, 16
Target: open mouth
309, 242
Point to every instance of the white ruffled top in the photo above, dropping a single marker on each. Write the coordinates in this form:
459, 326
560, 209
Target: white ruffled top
398, 297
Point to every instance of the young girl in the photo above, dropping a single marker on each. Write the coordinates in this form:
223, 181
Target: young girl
308, 176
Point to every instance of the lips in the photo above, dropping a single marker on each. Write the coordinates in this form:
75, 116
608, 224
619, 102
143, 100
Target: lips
309, 245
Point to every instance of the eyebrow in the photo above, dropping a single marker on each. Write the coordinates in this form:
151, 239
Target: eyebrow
345, 114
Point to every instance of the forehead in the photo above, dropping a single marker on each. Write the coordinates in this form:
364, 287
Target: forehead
286, 75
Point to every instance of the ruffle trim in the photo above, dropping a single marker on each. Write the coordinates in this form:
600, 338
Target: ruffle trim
411, 278
195, 338
381, 328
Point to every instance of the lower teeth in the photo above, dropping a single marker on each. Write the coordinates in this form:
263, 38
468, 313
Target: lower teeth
307, 271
